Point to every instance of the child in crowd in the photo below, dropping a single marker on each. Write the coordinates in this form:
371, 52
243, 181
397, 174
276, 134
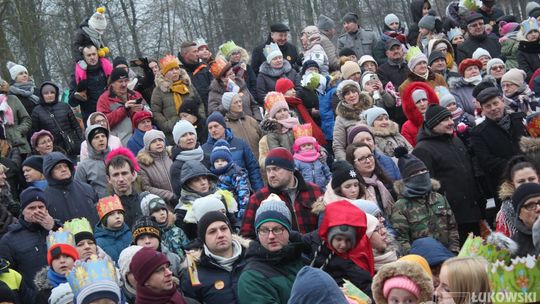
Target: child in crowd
142, 123
307, 161
112, 233
281, 134
528, 48
463, 121
172, 237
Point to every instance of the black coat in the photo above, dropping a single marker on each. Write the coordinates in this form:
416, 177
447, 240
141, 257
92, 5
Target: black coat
288, 50
448, 162
528, 57
467, 48
201, 78
176, 169
493, 147
393, 73
132, 208
524, 239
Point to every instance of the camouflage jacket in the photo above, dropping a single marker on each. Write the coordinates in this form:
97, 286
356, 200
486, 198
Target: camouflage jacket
414, 218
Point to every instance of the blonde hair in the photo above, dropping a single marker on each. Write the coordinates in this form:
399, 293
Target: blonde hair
3, 168
467, 275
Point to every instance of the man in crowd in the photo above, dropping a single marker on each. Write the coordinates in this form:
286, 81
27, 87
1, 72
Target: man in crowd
477, 39
327, 27
198, 72
361, 41
395, 69
278, 34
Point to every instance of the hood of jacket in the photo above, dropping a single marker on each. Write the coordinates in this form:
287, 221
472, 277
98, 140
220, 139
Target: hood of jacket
506, 190
409, 107
49, 161
192, 169
416, 9
228, 137
391, 130
146, 158
353, 112
57, 97
399, 186
458, 82
433, 42
315, 286
92, 153
244, 55
266, 69
164, 84
41, 281
92, 117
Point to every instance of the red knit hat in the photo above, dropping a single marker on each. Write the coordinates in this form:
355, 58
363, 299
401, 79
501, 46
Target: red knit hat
145, 262
140, 116
467, 63
56, 250
280, 157
283, 85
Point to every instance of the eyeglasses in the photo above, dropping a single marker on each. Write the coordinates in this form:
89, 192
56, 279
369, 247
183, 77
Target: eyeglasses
275, 231
497, 67
531, 206
378, 228
364, 159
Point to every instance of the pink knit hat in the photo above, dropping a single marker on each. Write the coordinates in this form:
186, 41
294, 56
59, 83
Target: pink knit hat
305, 140
507, 27
37, 135
402, 282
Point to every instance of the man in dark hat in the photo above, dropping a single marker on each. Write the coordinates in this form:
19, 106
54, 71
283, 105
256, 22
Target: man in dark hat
490, 13
278, 34
477, 39
361, 41
437, 63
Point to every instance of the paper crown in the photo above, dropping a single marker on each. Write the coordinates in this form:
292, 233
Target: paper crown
167, 63
200, 42
533, 124
92, 271
521, 276
271, 99
302, 130
227, 48
271, 48
529, 25
476, 246
471, 5
454, 32
107, 205
60, 236
217, 66
412, 52
78, 225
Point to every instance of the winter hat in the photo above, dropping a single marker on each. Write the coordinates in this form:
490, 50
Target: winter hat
118, 60
487, 94
479, 53
434, 56
125, 259
401, 282
528, 26
15, 69
305, 65
143, 226
273, 102
190, 105
390, 18
192, 169
408, 164
35, 162
284, 84
536, 235
484, 84
466, 63
140, 116
145, 262
271, 51
118, 74
492, 62
418, 95
94, 130
371, 114
325, 23
515, 76
418, 260
368, 76
227, 99
427, 22
349, 68
472, 17
345, 230
350, 17
97, 21
182, 127
206, 204
369, 207
280, 157
435, 114
355, 130
445, 97
273, 209
507, 27
216, 117
168, 63
221, 151
32, 194
533, 9
346, 52
61, 294
416, 59
523, 193
279, 27
342, 171
366, 58
344, 84
372, 223
36, 135
151, 203
208, 219
8, 295
431, 249
57, 249
150, 136
453, 33
125, 154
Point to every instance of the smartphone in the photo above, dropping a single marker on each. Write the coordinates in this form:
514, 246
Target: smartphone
138, 101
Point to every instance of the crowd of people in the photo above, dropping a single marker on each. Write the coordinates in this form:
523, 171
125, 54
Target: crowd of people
364, 168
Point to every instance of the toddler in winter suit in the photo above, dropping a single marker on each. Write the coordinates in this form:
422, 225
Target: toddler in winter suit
172, 237
307, 161
112, 234
231, 177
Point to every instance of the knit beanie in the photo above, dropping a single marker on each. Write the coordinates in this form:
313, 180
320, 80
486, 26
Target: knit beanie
118, 60
418, 95
273, 209
350, 17
221, 151
416, 59
15, 69
528, 26
418, 260
125, 259
492, 62
346, 52
355, 130
283, 85
479, 53
349, 68
427, 22
190, 105
97, 21
325, 23
140, 116
273, 105
433, 251
36, 135
58, 249
342, 171
371, 114
390, 18
280, 157
305, 65
507, 27
208, 219
150, 136
401, 282
303, 140
102, 289
445, 97
145, 262
435, 114
367, 77
532, 9
206, 204
523, 193
372, 223
515, 76
345, 84
118, 74
369, 207
35, 162
151, 203
345, 230
216, 117
408, 164
145, 225
182, 127
434, 56
227, 99
61, 294
366, 58
32, 194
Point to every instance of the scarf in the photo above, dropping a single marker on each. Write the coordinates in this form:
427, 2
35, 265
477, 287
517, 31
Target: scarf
383, 259
147, 296
288, 123
457, 113
25, 89
417, 186
178, 88
297, 105
386, 198
520, 101
307, 156
226, 263
509, 214
425, 76
6, 113
195, 154
449, 60
95, 36
234, 116
55, 278
473, 80
505, 123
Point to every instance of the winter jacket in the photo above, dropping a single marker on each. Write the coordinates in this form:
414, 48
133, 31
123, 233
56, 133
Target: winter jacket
236, 181
41, 119
448, 161
528, 56
288, 50
509, 50
155, 170
44, 285
200, 76
112, 241
362, 42
347, 117
462, 91
247, 128
523, 238
314, 286
243, 70
163, 107
179, 157
471, 44
430, 215
113, 142
249, 104
135, 142
92, 170
331, 51
433, 80
315, 172
82, 39
410, 128
6, 200
387, 139
416, 8
268, 276
394, 73
68, 199
268, 76
132, 207
174, 239
388, 165
6, 219
327, 113
275, 138
316, 52
16, 133
306, 194
242, 156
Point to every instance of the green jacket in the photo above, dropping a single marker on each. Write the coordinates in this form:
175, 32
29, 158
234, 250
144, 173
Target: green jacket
415, 218
22, 123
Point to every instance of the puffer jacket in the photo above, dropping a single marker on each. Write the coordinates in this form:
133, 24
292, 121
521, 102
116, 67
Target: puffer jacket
112, 241
410, 128
528, 56
509, 50
44, 286
41, 119
155, 174
135, 142
236, 181
92, 170
387, 139
315, 172
247, 128
22, 123
249, 104
327, 113
268, 76
462, 91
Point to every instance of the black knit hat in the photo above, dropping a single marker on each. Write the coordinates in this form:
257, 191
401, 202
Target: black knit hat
435, 114
145, 225
98, 130
119, 60
434, 56
207, 220
309, 64
117, 74
408, 164
34, 162
189, 105
342, 171
523, 193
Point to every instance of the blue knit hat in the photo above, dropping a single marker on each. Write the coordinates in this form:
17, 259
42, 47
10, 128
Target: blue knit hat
217, 117
273, 209
32, 194
221, 151
280, 157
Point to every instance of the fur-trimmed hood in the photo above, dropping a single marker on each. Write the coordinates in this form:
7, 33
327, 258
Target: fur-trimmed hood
41, 281
409, 107
529, 145
145, 158
433, 42
506, 190
196, 254
399, 186
353, 112
165, 85
391, 130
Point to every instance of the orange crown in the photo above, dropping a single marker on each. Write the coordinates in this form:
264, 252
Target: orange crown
302, 130
167, 63
271, 99
217, 66
107, 205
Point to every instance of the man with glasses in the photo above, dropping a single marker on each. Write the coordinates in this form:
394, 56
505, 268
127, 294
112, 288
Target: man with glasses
477, 39
274, 258
526, 200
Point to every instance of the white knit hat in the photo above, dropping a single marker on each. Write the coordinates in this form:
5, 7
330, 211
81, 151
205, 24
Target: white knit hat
372, 223
15, 69
203, 205
366, 58
479, 53
98, 22
182, 127
227, 99
390, 18
125, 259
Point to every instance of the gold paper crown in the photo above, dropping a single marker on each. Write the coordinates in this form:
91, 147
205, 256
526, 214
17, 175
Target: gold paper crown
92, 271
521, 276
107, 205
60, 236
78, 225
271, 99
167, 63
476, 246
217, 66
302, 130
227, 48
412, 52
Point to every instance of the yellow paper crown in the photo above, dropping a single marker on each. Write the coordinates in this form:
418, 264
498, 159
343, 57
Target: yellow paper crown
107, 205
60, 236
167, 63
227, 48
78, 225
271, 99
217, 66
302, 130
92, 271
412, 52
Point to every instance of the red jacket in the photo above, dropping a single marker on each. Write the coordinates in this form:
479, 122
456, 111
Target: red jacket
410, 128
113, 107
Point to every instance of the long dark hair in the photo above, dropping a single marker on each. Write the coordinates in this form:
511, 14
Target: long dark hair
378, 171
516, 163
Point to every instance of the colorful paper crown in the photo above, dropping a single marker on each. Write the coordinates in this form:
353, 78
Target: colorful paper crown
217, 66
271, 99
533, 124
454, 32
302, 130
107, 205
521, 276
227, 48
529, 25
412, 52
271, 48
60, 236
167, 63
476, 246
200, 42
78, 225
90, 272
